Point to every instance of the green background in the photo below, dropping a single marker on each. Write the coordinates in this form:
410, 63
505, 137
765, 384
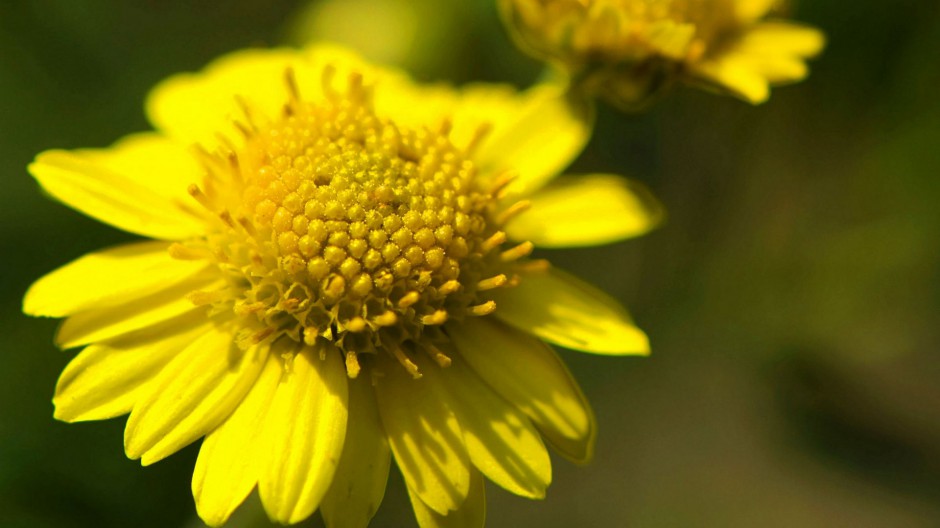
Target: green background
792, 299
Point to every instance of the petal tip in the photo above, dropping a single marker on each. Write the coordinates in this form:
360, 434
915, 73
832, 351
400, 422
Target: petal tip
32, 306
61, 413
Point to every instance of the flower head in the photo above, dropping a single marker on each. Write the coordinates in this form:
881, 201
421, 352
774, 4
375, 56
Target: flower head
626, 50
339, 274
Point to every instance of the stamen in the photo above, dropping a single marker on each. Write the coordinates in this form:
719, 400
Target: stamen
200, 196
409, 299
180, 252
386, 319
244, 308
437, 318
482, 309
201, 152
232, 157
449, 287
226, 218
309, 336
513, 211
356, 324
478, 136
442, 359
536, 265
354, 86
289, 305
219, 254
326, 82
352, 364
447, 124
492, 282
258, 337
243, 105
406, 362
335, 286
287, 360
224, 141
204, 298
247, 226
502, 181
495, 240
290, 79
243, 128
522, 250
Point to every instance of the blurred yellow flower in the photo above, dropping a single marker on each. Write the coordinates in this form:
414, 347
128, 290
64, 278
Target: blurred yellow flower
627, 50
339, 274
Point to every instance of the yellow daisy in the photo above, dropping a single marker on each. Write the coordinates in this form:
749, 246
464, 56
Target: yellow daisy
627, 50
339, 274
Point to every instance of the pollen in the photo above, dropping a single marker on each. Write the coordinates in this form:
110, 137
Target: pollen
337, 224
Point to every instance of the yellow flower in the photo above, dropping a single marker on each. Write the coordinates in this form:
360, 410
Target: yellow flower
339, 273
627, 50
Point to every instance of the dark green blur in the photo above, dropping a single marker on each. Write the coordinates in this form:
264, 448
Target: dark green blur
792, 299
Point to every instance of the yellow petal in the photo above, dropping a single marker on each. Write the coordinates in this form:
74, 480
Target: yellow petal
546, 133
425, 438
160, 165
496, 107
109, 322
529, 375
748, 11
198, 107
780, 69
230, 457
305, 430
105, 380
106, 278
735, 76
138, 185
359, 483
779, 38
470, 107
472, 512
499, 109
670, 38
192, 395
769, 53
201, 107
535, 133
500, 439
566, 311
587, 211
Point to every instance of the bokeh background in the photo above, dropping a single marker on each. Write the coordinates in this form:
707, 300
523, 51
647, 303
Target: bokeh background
793, 297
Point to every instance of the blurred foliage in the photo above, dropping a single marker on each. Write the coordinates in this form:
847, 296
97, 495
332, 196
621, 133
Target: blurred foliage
792, 299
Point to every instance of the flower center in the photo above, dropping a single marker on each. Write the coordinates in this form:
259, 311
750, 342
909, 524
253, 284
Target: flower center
705, 16
632, 29
347, 228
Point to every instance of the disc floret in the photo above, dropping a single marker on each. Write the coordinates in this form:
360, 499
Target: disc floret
348, 228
